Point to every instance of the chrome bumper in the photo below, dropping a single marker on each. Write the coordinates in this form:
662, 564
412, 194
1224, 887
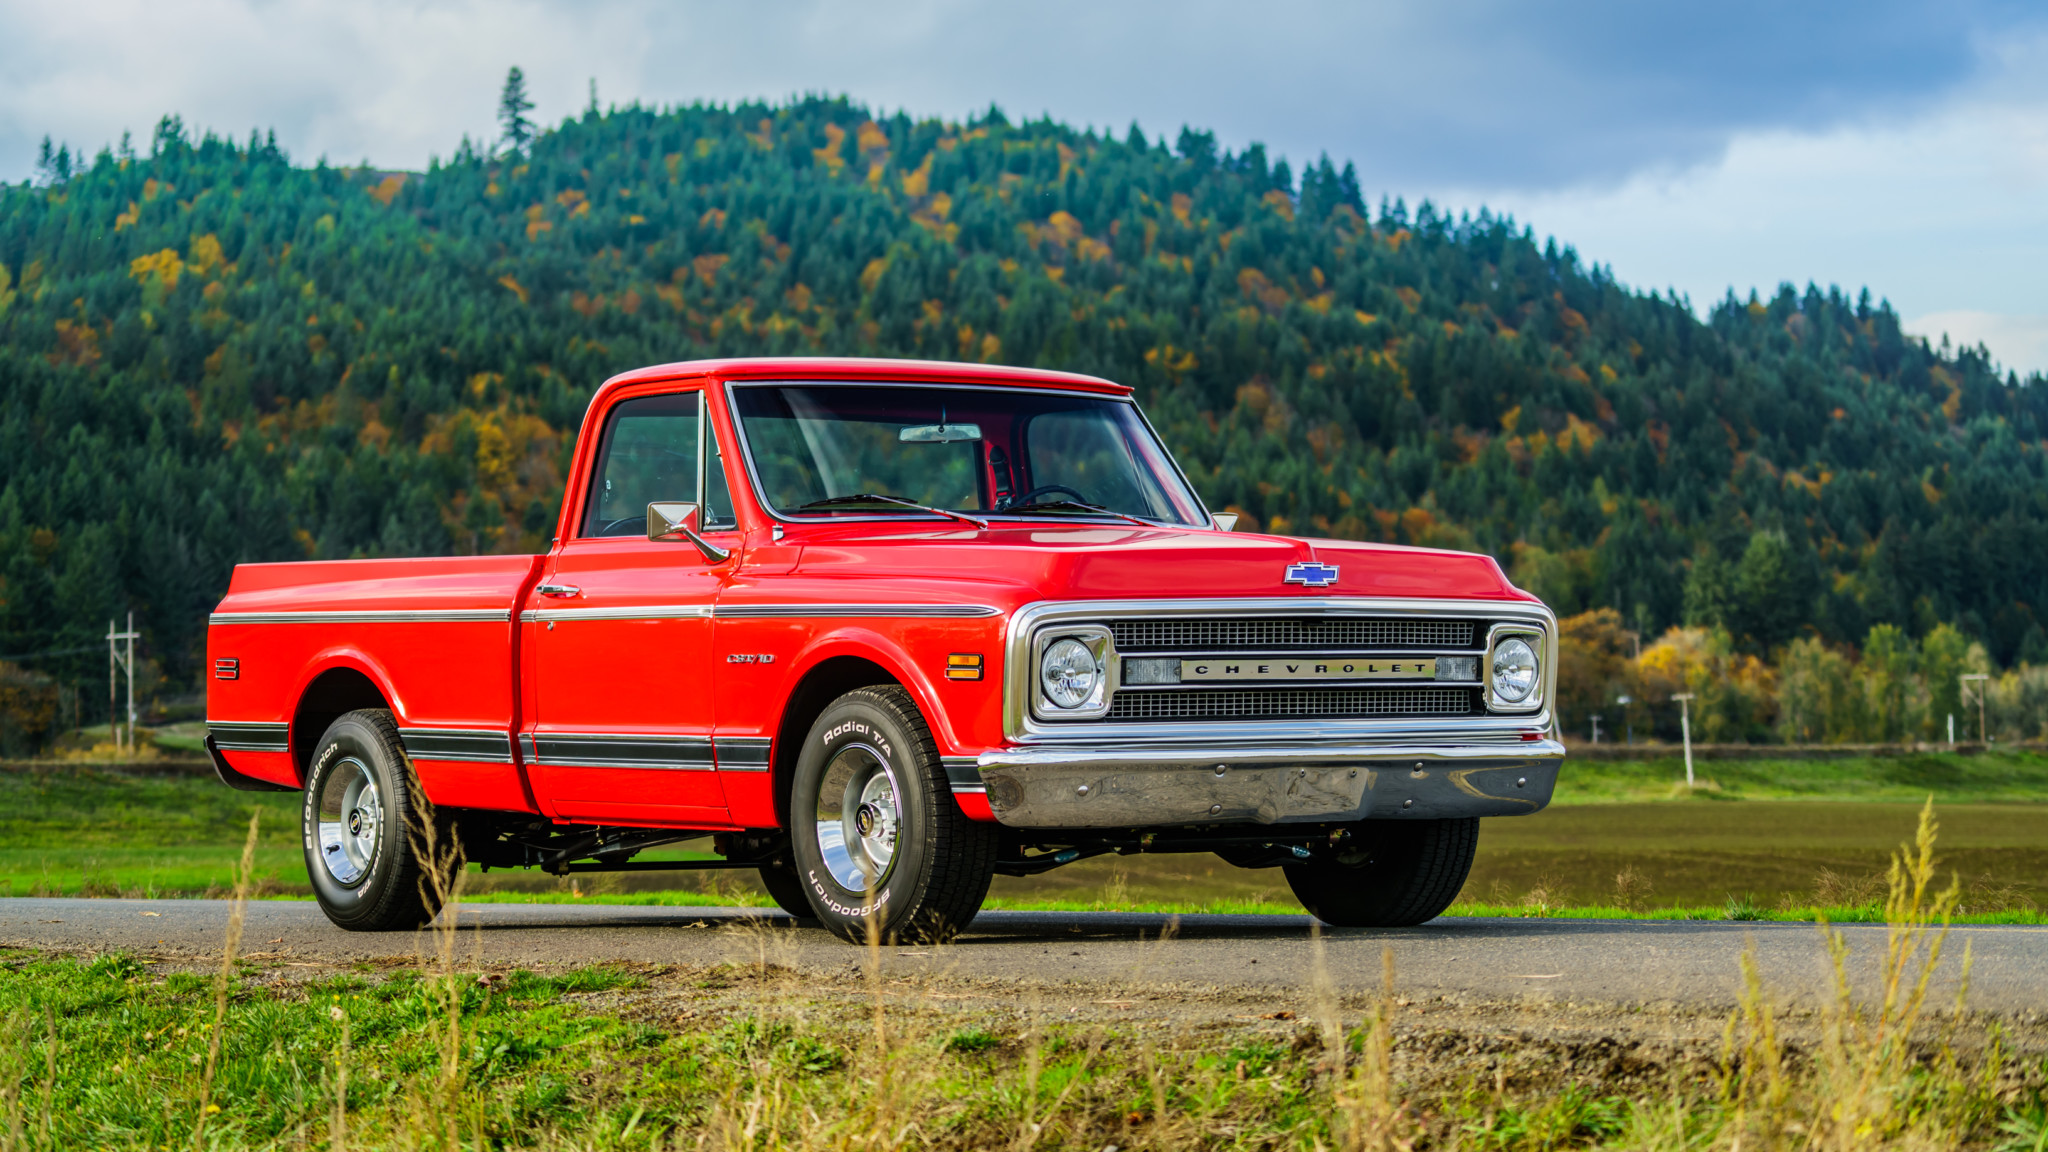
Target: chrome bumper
1137, 786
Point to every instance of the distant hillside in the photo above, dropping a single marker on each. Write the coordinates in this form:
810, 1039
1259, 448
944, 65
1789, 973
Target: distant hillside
209, 354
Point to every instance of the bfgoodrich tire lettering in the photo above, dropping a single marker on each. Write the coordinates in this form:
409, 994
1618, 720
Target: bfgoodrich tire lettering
361, 821
874, 827
1404, 872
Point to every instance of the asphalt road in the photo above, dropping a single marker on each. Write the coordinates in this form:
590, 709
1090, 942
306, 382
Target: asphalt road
1649, 964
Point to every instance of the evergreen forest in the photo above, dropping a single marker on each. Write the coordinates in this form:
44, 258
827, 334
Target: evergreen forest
210, 353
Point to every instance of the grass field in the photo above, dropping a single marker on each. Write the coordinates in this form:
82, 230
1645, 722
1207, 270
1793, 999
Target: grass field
1759, 839
1994, 776
112, 1054
451, 1051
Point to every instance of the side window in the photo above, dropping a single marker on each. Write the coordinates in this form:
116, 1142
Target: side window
649, 453
718, 511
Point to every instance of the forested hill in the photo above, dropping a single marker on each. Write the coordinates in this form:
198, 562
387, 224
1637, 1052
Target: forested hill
212, 354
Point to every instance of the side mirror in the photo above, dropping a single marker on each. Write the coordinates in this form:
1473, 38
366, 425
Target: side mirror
676, 523
1224, 521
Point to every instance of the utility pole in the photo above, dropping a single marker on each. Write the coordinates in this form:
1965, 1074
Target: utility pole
1980, 677
117, 660
1685, 731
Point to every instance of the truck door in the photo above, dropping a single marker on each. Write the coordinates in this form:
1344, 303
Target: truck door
621, 627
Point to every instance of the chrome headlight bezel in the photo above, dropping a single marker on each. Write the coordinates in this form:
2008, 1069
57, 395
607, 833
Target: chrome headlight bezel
1501, 634
1099, 643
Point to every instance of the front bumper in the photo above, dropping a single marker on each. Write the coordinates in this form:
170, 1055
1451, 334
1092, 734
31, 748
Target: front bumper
1124, 786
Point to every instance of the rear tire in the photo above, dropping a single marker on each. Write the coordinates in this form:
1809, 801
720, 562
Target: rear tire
874, 827
362, 819
786, 888
1406, 873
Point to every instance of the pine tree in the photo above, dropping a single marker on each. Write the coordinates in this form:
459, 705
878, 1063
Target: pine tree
53, 165
512, 109
1347, 189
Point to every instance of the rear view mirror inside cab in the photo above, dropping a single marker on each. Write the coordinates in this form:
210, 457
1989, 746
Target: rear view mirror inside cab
940, 434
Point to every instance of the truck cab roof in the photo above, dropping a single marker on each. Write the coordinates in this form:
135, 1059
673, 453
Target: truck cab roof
863, 368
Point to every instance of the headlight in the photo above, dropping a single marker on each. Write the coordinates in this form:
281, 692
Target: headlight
1514, 670
1069, 673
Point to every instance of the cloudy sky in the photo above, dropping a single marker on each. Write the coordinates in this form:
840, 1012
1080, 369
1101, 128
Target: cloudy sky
1701, 147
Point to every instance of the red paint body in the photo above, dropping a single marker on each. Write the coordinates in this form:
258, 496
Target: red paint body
506, 674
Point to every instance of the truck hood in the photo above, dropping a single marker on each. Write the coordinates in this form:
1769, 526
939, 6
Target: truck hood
1095, 561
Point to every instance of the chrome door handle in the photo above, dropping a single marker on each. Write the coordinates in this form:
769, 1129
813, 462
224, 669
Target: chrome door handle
559, 590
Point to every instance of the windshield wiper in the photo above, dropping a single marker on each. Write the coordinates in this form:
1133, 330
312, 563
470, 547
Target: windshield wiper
1052, 505
873, 498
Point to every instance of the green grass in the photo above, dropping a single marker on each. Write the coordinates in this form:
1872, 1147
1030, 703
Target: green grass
1995, 776
114, 1054
97, 831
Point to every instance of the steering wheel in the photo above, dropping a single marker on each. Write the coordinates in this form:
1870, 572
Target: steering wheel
1047, 490
612, 527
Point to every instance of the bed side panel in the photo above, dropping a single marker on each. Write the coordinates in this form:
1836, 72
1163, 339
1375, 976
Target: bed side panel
432, 637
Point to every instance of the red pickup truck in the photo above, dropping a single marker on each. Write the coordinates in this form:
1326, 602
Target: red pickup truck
881, 630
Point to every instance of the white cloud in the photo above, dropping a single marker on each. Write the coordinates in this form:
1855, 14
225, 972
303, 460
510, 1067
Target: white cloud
1414, 90
1946, 215
1942, 211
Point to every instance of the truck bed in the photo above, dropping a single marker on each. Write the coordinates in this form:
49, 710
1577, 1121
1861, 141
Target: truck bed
435, 637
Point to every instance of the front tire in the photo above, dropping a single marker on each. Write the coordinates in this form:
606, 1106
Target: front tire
361, 819
1404, 874
877, 835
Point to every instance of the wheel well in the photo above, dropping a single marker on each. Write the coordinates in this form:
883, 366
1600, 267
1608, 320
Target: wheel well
330, 695
830, 680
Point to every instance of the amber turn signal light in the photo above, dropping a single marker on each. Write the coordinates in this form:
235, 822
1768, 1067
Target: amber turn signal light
963, 666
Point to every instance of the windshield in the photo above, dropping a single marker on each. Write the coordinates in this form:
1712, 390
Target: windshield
990, 452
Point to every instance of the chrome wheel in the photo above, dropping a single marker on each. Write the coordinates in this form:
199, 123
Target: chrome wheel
351, 821
858, 818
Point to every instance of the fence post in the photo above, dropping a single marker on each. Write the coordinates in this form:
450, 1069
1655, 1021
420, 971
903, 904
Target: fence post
1685, 732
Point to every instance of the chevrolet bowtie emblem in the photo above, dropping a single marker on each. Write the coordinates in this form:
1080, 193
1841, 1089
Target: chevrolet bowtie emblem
1311, 574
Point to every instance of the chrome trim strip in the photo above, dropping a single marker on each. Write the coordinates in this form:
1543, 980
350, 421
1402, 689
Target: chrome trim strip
905, 611
1156, 756
1022, 727
743, 753
249, 735
627, 612
468, 745
369, 616
604, 750
963, 773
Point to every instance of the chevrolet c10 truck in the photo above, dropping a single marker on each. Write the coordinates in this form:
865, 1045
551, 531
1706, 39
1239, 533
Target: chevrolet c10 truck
881, 630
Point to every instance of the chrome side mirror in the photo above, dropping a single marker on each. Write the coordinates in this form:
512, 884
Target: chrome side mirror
676, 523
1223, 521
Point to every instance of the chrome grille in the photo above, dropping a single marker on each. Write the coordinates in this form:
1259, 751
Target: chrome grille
1260, 703
1281, 633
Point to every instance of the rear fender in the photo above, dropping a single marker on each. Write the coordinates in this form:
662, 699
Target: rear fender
307, 726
